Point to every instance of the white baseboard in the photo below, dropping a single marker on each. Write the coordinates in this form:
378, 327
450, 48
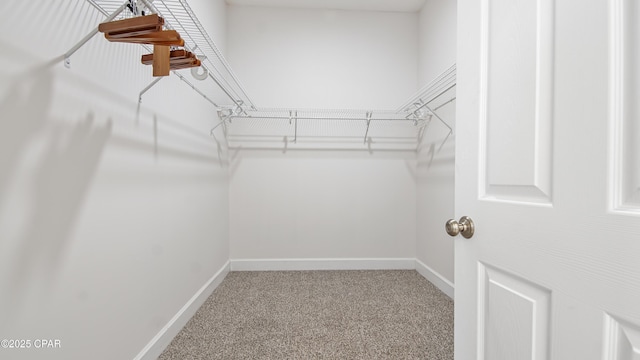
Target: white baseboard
156, 346
322, 264
435, 278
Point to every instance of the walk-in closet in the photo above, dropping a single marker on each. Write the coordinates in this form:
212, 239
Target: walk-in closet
312, 179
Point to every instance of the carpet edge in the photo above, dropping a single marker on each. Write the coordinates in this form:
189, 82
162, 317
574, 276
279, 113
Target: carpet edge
323, 264
163, 338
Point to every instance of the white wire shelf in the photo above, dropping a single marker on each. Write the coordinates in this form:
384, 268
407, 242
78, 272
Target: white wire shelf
441, 84
346, 128
244, 123
179, 16
387, 129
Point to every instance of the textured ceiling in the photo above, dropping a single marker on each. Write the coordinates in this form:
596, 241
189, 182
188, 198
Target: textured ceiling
367, 5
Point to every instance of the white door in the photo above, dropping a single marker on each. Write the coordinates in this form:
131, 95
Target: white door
548, 168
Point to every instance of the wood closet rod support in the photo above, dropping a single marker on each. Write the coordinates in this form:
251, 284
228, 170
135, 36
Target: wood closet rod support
164, 37
131, 25
174, 57
161, 66
89, 36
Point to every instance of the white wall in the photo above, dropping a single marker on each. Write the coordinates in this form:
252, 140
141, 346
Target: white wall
111, 217
309, 58
436, 38
435, 181
213, 16
322, 204
435, 195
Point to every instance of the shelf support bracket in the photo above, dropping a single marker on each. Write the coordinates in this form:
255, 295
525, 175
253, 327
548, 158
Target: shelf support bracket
223, 120
194, 88
293, 119
238, 103
416, 113
368, 115
147, 88
439, 118
239, 109
224, 116
89, 36
421, 131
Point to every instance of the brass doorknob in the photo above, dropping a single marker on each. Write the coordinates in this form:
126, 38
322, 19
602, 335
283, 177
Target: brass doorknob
464, 227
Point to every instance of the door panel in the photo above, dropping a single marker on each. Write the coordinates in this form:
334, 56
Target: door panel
548, 115
515, 316
517, 58
625, 87
623, 340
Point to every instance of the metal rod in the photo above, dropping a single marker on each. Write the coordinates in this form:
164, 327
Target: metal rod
425, 103
225, 90
444, 103
404, 139
220, 123
439, 118
194, 88
421, 134
225, 131
316, 118
147, 88
215, 49
93, 33
295, 138
223, 119
428, 91
369, 113
219, 148
444, 141
148, 5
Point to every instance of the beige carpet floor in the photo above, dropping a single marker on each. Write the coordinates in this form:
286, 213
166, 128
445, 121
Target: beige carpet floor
320, 315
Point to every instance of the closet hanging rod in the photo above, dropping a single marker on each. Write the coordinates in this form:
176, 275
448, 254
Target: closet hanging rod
231, 117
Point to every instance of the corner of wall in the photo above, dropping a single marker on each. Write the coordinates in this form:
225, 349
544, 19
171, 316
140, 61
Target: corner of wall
163, 338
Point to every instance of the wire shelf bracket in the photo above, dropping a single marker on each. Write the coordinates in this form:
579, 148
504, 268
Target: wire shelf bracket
368, 116
89, 36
